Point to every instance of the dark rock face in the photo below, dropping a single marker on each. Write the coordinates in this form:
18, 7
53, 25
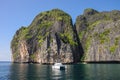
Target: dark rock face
49, 38
99, 34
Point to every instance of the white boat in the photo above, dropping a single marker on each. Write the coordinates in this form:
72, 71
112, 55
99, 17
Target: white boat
59, 66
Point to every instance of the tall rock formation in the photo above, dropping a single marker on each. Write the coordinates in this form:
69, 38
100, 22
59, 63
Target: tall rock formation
51, 37
48, 39
99, 34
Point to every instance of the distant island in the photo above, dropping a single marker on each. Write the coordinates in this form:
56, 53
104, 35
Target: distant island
52, 36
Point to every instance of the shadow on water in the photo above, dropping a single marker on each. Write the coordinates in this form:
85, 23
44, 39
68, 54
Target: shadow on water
72, 72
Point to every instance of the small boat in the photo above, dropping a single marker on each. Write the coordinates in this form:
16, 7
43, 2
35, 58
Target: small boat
59, 66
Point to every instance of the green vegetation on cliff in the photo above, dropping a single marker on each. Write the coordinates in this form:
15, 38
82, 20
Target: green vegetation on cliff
97, 32
67, 38
48, 34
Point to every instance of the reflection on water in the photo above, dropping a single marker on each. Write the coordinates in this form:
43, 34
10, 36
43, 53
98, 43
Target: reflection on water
34, 72
29, 72
72, 72
18, 71
58, 74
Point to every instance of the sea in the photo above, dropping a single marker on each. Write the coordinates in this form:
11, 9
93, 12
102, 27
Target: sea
15, 71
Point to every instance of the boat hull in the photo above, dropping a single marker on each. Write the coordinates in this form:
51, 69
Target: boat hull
58, 66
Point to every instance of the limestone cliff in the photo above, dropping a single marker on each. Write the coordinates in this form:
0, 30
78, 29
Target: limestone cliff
49, 38
99, 34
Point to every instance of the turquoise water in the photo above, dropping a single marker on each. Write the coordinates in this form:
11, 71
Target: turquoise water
10, 71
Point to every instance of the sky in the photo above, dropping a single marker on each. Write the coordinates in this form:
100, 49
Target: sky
17, 13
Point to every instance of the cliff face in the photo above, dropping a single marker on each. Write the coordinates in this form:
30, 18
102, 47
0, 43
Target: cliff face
99, 34
48, 39
51, 37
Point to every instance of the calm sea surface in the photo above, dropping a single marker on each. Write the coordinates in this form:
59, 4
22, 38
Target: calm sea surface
10, 71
